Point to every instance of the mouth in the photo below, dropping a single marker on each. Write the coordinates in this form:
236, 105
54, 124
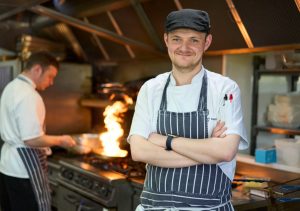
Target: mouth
183, 54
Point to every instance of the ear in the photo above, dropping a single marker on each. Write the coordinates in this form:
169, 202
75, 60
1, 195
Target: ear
208, 41
166, 39
37, 70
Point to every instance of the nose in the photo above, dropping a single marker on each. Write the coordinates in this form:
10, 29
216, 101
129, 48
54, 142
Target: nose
184, 46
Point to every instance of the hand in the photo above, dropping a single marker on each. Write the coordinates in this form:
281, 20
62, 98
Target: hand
67, 141
218, 131
157, 139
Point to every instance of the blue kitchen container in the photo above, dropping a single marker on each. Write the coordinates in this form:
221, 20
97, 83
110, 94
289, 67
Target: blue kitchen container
265, 155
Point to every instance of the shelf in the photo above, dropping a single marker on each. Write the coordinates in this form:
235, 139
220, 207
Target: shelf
280, 173
98, 103
279, 72
292, 76
251, 160
277, 130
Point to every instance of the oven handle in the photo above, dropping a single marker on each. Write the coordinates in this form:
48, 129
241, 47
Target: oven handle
83, 207
74, 200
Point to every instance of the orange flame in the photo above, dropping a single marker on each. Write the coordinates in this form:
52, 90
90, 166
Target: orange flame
114, 131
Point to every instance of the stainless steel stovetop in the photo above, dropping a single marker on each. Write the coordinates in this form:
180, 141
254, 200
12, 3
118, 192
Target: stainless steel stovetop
105, 181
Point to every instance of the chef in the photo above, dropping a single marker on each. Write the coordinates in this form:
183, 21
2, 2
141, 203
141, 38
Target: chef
23, 178
189, 167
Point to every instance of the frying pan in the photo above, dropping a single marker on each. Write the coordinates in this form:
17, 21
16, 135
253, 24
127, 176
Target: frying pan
85, 143
89, 143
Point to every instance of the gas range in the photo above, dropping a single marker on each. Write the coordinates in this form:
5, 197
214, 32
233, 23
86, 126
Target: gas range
105, 181
125, 166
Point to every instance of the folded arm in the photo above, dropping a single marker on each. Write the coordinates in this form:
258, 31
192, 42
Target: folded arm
144, 151
209, 151
153, 150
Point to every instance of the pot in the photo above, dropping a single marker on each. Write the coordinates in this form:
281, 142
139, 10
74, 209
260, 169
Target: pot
85, 143
90, 143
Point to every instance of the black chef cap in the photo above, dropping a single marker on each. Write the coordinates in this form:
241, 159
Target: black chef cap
188, 18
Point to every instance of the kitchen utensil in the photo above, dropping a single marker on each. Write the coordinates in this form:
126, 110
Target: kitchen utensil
87, 139
79, 149
85, 143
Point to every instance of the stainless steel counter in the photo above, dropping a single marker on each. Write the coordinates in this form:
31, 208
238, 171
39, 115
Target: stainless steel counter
240, 200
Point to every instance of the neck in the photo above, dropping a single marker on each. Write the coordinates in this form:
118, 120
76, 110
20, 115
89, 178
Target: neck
29, 75
184, 78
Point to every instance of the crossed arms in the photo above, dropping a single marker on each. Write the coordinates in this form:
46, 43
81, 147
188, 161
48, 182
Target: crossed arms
185, 152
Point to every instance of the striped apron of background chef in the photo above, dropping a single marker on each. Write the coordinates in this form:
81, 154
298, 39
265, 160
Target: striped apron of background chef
35, 161
199, 187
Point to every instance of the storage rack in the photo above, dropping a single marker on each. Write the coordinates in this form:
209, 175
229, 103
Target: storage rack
293, 76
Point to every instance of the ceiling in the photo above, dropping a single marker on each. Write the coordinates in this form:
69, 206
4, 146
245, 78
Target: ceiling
119, 30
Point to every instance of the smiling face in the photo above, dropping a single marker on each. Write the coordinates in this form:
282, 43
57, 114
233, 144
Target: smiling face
186, 48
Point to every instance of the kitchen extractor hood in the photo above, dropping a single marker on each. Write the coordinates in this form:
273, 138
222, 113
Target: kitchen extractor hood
133, 29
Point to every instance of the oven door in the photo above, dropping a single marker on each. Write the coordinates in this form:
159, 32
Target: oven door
54, 190
71, 201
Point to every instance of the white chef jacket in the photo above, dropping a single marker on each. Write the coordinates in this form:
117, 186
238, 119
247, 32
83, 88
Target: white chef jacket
22, 115
185, 98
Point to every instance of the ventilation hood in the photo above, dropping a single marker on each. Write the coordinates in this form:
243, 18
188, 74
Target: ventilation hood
116, 30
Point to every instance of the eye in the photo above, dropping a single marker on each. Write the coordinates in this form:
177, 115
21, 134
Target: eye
195, 40
175, 39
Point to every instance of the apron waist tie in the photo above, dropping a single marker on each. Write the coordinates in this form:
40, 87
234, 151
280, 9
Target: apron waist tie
188, 208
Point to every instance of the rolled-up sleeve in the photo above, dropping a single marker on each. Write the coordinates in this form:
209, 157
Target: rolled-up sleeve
141, 122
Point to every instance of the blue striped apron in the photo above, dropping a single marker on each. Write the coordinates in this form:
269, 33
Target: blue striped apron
35, 161
199, 187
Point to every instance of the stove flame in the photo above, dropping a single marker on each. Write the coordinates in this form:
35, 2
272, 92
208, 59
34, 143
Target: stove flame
113, 119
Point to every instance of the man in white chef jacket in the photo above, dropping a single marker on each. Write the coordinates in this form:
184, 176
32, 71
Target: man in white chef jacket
188, 166
23, 165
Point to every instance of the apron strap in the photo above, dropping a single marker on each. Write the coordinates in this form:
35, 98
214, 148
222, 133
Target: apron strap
202, 105
35, 162
163, 104
20, 77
